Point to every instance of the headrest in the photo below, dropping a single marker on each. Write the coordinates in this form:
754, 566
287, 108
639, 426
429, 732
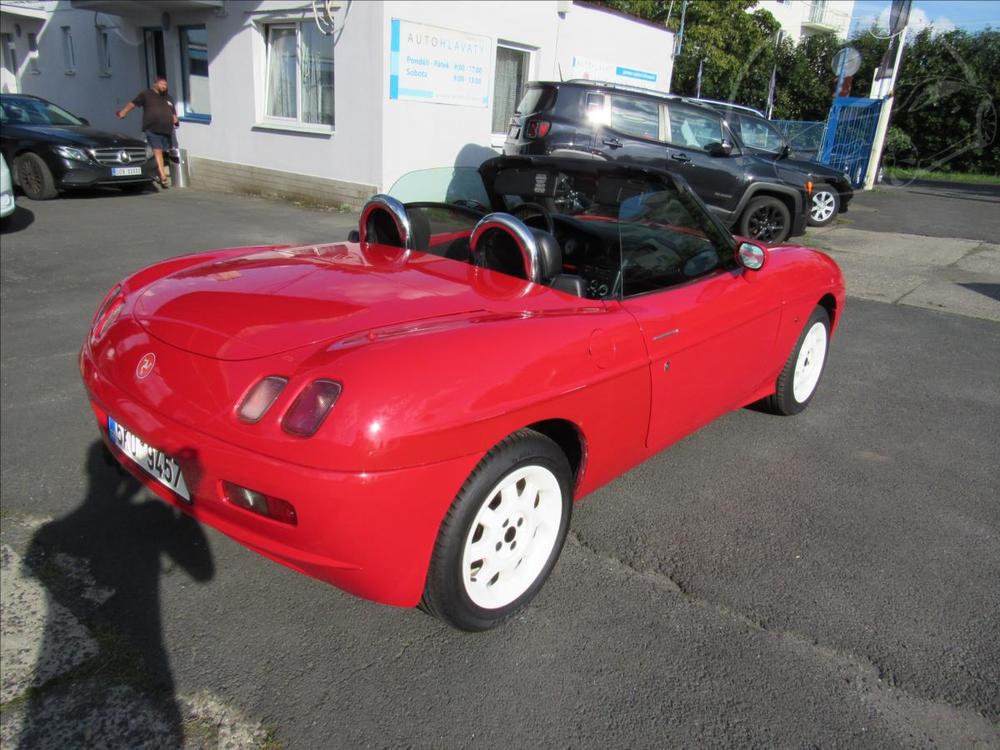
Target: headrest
384, 222
549, 255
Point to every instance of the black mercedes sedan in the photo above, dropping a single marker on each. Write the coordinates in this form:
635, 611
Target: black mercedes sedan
51, 150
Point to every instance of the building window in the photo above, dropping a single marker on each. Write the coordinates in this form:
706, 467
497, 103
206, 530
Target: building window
33, 53
69, 54
299, 74
9, 53
103, 51
194, 69
511, 75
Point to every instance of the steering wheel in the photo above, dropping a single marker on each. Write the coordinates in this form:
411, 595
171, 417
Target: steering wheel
534, 209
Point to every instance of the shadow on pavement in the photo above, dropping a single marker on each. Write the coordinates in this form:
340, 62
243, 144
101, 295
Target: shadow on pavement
22, 218
987, 290
123, 537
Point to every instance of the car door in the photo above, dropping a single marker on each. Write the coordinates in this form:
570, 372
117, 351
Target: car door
709, 326
628, 128
718, 180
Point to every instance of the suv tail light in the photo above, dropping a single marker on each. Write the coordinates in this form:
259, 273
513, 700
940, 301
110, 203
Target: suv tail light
538, 128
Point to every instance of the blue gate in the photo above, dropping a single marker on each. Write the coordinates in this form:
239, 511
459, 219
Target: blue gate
850, 133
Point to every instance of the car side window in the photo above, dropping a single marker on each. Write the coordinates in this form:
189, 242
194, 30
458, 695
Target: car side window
635, 117
693, 129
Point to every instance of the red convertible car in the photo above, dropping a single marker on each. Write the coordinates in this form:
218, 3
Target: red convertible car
410, 415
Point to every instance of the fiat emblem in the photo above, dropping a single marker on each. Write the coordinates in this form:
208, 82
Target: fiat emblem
145, 365
123, 157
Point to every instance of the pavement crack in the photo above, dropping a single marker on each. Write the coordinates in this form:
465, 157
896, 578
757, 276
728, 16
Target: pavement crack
940, 723
656, 577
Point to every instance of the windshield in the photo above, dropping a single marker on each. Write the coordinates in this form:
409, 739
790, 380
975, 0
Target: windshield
25, 111
460, 186
620, 231
666, 240
759, 134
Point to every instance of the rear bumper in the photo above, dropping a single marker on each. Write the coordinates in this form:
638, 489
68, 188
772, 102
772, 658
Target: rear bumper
368, 533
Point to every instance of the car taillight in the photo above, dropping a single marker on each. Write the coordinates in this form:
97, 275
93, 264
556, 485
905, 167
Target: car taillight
311, 407
538, 128
259, 398
108, 312
259, 503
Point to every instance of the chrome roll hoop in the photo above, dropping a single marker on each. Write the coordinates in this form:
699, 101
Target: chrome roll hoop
521, 235
395, 210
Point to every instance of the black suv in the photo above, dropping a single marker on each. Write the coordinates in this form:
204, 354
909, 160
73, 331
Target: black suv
832, 190
762, 197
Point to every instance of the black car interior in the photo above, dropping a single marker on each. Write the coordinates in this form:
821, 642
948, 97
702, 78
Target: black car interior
570, 212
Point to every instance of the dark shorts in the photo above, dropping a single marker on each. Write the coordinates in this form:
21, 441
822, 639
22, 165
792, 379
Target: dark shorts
155, 140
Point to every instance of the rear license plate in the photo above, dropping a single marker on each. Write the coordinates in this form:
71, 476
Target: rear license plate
156, 463
514, 132
126, 171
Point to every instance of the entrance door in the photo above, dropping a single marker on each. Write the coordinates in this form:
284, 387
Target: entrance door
156, 59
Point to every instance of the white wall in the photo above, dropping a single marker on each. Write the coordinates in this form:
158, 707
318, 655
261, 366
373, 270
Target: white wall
419, 135
236, 51
84, 92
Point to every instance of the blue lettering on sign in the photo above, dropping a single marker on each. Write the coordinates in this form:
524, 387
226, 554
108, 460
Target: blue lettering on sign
642, 75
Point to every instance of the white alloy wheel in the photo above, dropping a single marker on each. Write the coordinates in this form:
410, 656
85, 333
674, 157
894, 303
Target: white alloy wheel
824, 206
512, 537
809, 363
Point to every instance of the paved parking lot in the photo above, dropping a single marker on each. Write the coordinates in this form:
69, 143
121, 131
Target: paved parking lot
828, 580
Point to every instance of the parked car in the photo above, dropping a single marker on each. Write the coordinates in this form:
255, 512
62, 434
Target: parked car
832, 191
410, 415
7, 203
50, 150
762, 198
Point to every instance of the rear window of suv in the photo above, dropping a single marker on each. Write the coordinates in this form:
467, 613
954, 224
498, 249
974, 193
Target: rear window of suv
536, 99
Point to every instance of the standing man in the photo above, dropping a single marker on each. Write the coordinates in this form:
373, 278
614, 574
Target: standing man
159, 118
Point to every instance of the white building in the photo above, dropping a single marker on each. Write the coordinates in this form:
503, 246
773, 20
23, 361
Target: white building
324, 99
800, 19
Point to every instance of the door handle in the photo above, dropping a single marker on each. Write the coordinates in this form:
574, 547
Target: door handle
682, 158
613, 142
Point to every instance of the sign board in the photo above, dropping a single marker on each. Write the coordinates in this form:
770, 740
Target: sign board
439, 66
601, 70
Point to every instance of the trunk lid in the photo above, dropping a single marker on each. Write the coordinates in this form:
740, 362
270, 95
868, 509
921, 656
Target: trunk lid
269, 302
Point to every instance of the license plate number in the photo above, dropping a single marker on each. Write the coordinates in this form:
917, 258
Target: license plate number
514, 132
156, 463
126, 171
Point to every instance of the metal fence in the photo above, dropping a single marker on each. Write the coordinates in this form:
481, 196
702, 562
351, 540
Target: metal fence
849, 136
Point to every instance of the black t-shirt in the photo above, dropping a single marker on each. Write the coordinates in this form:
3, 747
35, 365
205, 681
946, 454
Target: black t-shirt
157, 111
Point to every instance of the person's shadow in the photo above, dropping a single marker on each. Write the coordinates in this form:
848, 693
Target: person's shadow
124, 536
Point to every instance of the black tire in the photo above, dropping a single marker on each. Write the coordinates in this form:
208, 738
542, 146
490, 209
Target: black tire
825, 202
784, 400
446, 595
766, 219
35, 178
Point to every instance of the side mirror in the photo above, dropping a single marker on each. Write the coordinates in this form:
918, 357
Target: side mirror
751, 255
785, 152
84, 120
719, 149
354, 236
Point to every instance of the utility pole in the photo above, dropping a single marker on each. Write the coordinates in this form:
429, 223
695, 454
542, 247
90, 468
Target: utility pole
884, 86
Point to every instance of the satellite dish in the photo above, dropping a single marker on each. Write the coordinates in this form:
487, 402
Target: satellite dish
846, 62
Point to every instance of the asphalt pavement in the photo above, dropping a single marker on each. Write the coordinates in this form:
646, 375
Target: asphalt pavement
827, 580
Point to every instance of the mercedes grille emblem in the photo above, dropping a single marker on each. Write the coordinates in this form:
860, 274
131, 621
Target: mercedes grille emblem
123, 157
